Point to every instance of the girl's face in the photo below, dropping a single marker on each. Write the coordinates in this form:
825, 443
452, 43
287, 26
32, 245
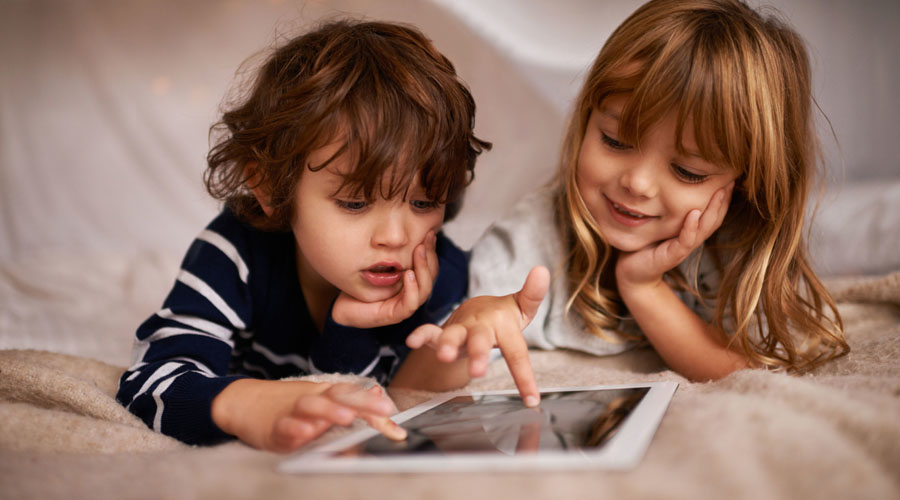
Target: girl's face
639, 197
346, 243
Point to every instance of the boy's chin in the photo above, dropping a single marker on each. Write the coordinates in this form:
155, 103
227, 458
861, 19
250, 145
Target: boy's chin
377, 295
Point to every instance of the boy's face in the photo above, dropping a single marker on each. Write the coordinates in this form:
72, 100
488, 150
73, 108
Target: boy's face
347, 243
639, 197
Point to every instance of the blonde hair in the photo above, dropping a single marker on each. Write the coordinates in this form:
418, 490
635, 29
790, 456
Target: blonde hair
743, 81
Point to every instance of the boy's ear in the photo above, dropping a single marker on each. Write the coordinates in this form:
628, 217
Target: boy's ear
259, 191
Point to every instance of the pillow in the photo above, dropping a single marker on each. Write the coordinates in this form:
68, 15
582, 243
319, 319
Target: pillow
856, 229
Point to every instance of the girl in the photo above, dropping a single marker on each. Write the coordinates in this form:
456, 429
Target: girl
677, 215
337, 170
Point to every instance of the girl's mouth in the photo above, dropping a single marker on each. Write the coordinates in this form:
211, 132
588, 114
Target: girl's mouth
383, 274
627, 216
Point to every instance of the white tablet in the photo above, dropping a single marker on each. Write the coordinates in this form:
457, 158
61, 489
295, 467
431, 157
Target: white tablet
598, 427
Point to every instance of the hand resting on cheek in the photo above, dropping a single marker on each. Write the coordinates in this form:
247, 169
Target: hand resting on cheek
647, 265
417, 286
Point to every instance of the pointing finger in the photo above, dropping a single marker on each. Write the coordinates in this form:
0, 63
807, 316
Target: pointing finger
515, 352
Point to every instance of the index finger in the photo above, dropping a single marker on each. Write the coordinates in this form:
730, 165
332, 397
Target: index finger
423, 274
515, 352
715, 211
386, 426
360, 400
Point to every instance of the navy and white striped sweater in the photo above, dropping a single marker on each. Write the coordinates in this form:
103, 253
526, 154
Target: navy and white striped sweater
237, 310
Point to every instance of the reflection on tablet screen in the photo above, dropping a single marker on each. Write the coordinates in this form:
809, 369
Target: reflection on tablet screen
568, 420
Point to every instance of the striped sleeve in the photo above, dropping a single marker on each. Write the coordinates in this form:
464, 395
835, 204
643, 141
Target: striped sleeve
182, 352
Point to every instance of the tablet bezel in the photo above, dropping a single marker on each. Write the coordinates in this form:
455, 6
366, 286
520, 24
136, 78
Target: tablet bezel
623, 451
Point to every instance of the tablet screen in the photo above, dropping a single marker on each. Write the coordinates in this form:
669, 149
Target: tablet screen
501, 424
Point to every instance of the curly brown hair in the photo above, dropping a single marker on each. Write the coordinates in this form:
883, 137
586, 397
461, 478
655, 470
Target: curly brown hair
381, 88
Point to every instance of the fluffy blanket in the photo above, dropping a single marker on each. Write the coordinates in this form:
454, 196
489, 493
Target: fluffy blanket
833, 433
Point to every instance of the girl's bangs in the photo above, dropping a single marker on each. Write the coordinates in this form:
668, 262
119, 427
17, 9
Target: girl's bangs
687, 79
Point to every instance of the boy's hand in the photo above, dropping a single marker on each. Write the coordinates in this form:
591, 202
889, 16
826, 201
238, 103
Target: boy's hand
281, 416
417, 285
482, 323
647, 265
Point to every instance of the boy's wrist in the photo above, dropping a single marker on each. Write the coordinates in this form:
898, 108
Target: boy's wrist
223, 407
260, 400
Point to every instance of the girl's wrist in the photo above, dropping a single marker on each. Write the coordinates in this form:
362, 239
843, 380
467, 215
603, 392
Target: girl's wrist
632, 292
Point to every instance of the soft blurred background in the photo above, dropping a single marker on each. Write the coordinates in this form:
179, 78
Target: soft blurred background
105, 107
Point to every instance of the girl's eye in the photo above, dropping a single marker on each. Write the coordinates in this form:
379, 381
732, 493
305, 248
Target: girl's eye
423, 205
609, 141
688, 176
351, 205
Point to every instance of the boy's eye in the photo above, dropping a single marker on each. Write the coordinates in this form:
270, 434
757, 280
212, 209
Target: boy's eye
609, 141
688, 176
423, 205
351, 205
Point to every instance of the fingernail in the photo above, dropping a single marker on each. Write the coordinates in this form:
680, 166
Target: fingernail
532, 401
410, 276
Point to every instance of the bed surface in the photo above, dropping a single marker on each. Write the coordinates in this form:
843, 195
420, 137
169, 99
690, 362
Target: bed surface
833, 433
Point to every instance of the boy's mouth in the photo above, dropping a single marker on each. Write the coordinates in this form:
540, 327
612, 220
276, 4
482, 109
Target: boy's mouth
383, 274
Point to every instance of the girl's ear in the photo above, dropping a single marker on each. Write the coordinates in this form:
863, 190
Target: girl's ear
260, 192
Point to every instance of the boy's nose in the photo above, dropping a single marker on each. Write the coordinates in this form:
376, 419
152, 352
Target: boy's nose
390, 230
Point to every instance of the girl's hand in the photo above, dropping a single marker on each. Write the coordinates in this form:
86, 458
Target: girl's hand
417, 285
647, 265
482, 323
281, 416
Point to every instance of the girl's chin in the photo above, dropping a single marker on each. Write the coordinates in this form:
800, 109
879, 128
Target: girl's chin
630, 243
626, 245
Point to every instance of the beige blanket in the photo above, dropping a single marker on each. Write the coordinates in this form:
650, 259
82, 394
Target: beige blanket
834, 433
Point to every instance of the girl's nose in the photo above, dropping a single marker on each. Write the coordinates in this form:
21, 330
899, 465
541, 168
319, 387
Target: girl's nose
390, 230
639, 179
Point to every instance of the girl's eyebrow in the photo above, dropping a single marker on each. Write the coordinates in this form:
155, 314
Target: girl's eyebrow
693, 154
610, 113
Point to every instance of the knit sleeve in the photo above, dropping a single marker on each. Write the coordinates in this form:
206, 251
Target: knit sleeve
182, 352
